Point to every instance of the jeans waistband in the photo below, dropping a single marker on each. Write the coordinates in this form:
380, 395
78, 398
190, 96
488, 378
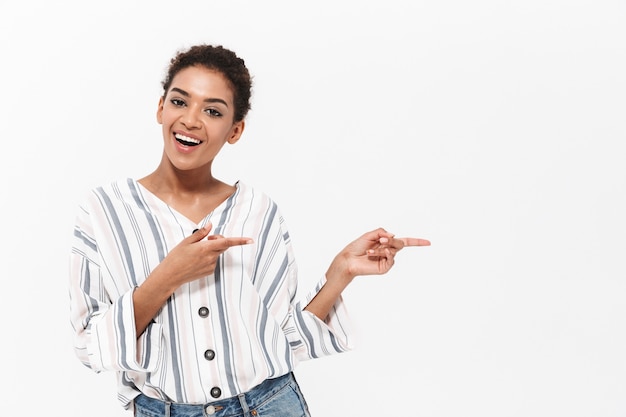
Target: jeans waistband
238, 405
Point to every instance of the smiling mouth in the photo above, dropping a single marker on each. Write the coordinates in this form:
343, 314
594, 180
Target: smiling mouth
187, 141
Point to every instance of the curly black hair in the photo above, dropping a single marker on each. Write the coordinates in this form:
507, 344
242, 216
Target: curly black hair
218, 58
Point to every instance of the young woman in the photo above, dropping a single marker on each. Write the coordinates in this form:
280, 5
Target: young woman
184, 285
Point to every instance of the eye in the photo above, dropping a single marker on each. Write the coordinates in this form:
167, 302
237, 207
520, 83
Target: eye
177, 102
213, 113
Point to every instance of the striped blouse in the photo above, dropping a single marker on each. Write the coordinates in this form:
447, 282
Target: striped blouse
215, 337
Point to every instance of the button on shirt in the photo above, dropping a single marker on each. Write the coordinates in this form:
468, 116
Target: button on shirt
215, 337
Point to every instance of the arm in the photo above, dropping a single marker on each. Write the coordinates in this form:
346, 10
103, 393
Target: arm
103, 325
371, 254
192, 258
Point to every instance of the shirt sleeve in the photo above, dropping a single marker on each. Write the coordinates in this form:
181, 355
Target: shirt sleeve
319, 338
103, 321
308, 336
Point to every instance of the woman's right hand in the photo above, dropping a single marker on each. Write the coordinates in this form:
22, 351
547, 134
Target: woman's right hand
193, 258
196, 255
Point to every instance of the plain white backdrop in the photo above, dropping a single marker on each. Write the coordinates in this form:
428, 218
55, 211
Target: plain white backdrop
495, 129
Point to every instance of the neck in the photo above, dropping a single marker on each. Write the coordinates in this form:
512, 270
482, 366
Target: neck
167, 178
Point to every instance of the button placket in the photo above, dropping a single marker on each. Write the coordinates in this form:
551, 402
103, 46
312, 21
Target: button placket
209, 355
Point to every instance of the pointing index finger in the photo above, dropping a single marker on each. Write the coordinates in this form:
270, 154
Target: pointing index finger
413, 241
222, 243
237, 241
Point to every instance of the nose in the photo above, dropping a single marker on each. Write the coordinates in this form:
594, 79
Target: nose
190, 118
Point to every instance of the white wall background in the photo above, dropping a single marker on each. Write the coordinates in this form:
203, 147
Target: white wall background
495, 129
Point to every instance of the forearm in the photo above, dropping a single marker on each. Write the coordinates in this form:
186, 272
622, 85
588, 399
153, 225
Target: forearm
325, 299
149, 297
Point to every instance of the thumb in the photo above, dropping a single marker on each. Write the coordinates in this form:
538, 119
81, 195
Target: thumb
199, 234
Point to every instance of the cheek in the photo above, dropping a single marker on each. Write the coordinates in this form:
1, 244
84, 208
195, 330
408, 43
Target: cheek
166, 125
165, 119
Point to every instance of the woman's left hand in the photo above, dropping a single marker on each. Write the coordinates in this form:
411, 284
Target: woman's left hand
371, 254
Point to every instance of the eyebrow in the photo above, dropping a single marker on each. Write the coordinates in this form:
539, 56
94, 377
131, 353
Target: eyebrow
206, 100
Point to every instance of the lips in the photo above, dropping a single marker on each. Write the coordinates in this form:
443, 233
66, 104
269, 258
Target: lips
186, 140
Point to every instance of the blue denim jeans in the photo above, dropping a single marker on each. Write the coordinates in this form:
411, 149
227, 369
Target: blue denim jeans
280, 397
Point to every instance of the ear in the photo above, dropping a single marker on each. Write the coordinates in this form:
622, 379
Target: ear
159, 113
236, 132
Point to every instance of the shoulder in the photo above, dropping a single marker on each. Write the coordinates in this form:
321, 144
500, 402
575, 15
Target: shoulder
250, 193
121, 188
255, 201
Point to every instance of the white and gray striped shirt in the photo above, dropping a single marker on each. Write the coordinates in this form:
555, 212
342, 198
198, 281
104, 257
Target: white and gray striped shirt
222, 334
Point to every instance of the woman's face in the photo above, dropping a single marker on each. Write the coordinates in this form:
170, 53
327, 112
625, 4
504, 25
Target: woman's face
197, 117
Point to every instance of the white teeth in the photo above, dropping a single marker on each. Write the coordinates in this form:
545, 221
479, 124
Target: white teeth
186, 139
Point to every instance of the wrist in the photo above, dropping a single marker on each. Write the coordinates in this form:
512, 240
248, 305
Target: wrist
339, 273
